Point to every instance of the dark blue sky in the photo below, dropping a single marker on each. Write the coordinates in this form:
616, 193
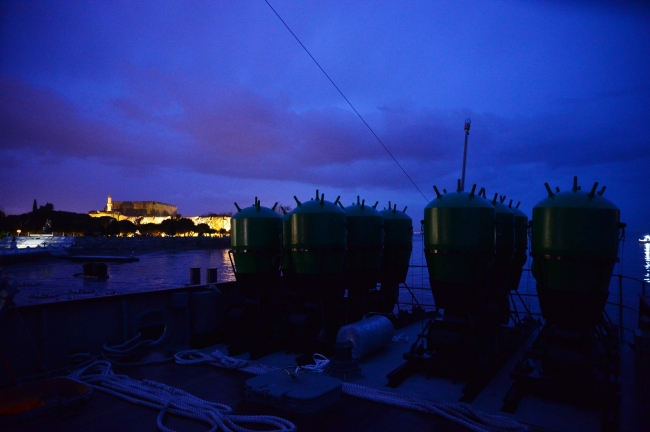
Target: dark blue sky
204, 103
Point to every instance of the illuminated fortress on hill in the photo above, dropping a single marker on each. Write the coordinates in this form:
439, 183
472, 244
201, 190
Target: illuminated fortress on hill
140, 208
143, 212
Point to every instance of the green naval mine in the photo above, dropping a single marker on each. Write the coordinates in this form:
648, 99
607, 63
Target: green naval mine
322, 312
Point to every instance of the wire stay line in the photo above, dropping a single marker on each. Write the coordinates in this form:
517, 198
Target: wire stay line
346, 99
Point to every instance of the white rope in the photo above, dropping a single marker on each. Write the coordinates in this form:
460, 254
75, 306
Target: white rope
127, 347
219, 359
401, 337
456, 411
320, 361
115, 353
216, 358
166, 399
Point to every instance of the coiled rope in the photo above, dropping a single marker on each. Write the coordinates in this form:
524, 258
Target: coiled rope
219, 359
320, 362
216, 358
100, 376
457, 412
117, 353
127, 347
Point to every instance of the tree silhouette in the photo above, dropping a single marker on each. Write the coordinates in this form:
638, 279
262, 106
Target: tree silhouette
126, 226
202, 228
185, 226
149, 228
168, 226
34, 207
113, 228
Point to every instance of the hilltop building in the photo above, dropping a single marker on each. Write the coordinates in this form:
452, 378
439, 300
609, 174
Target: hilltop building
140, 208
143, 212
124, 209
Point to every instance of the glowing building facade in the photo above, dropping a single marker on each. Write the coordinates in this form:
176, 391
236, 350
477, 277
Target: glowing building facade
140, 208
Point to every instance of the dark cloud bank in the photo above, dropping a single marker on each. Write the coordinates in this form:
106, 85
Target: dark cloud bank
243, 135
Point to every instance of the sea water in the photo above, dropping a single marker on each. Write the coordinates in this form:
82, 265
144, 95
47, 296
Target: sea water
52, 279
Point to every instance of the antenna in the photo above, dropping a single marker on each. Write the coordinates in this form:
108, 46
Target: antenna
468, 122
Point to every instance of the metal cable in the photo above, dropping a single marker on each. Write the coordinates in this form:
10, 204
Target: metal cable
346, 99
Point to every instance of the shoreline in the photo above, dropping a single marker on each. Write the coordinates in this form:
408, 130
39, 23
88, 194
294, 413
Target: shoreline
111, 246
145, 244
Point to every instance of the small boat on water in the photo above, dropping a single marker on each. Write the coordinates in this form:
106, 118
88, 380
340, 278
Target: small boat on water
645, 239
94, 270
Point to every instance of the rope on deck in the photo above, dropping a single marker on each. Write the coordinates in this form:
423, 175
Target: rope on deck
100, 376
457, 412
116, 354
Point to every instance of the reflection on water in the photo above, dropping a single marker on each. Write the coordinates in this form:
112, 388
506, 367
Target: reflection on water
52, 278
646, 250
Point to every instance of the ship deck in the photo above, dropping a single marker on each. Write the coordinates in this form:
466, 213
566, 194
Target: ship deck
103, 412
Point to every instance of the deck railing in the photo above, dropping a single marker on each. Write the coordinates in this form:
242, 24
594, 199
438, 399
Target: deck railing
627, 314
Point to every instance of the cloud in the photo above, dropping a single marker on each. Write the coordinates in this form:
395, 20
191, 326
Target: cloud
40, 119
240, 134
131, 110
613, 5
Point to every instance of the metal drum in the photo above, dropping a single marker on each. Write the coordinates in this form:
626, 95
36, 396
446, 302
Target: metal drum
288, 272
398, 246
503, 252
256, 249
363, 258
318, 243
575, 237
318, 246
459, 241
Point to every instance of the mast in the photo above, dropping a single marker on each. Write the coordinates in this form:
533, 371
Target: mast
462, 181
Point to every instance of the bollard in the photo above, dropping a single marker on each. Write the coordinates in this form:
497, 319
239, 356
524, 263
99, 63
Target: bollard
211, 275
195, 276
